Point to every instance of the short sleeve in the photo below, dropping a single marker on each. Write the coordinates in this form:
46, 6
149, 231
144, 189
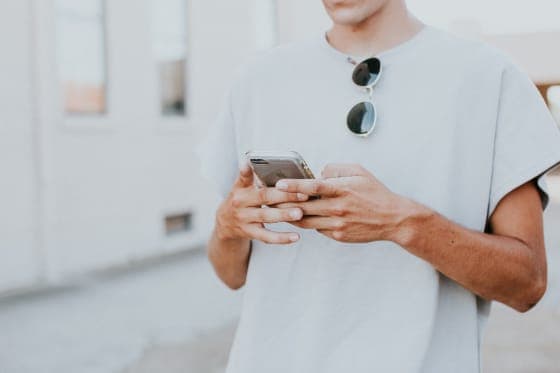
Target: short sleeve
217, 153
527, 139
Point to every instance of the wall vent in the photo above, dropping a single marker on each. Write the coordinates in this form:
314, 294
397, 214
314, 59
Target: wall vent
178, 223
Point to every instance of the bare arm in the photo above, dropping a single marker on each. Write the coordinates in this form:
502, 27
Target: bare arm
230, 259
507, 264
240, 219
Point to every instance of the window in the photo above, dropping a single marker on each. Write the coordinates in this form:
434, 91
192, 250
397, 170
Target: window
553, 98
169, 33
266, 23
81, 57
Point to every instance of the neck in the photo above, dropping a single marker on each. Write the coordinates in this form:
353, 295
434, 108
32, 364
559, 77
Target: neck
387, 27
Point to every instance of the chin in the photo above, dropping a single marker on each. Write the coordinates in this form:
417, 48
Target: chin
352, 12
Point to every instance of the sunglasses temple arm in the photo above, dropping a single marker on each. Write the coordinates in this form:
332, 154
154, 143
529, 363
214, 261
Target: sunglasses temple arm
351, 60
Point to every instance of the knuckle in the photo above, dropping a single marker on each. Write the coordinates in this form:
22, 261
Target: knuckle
292, 197
262, 215
265, 216
263, 195
272, 238
284, 197
340, 225
266, 239
246, 232
317, 187
345, 190
236, 200
338, 235
338, 210
237, 215
258, 235
287, 215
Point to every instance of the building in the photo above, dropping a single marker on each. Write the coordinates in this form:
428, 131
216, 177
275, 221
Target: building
101, 104
536, 53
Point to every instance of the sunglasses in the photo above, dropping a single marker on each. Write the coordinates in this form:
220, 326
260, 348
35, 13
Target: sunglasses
362, 117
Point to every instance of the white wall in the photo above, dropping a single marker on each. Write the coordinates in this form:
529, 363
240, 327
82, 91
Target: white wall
18, 233
116, 179
97, 192
300, 19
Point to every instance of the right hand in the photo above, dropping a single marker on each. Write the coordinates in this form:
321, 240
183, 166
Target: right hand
240, 216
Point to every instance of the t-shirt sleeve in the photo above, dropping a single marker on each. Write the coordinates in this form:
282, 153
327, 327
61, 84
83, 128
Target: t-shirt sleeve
217, 153
527, 139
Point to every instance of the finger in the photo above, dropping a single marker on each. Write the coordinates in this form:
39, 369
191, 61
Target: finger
285, 205
333, 170
245, 177
316, 207
262, 234
318, 222
327, 232
269, 196
322, 207
310, 187
270, 215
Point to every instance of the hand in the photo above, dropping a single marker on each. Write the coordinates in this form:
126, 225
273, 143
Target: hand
354, 205
241, 215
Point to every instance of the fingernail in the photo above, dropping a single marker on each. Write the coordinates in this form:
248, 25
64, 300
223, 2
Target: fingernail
294, 237
302, 197
296, 214
281, 185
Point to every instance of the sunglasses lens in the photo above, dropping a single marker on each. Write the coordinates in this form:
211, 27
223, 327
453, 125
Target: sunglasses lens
367, 72
361, 119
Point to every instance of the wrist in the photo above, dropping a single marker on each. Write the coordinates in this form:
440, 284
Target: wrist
223, 233
413, 217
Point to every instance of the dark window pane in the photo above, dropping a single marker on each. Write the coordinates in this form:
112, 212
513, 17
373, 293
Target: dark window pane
169, 30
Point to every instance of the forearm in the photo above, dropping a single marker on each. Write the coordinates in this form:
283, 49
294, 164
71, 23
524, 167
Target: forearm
230, 259
492, 266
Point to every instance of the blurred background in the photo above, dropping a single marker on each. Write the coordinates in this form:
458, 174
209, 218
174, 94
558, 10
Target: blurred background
104, 214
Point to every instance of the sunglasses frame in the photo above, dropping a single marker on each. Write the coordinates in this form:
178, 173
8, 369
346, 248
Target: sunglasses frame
369, 90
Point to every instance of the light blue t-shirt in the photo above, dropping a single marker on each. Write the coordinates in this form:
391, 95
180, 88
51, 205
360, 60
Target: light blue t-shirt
459, 127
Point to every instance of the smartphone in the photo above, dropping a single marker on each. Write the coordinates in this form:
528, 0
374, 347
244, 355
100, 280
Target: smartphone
269, 167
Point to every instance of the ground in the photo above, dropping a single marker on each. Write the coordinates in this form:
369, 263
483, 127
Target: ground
174, 316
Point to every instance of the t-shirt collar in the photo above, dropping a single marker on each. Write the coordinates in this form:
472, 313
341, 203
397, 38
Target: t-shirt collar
384, 55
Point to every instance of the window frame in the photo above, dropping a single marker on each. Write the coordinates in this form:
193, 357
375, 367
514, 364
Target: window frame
95, 115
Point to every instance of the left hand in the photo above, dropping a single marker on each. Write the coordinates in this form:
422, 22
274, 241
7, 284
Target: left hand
354, 205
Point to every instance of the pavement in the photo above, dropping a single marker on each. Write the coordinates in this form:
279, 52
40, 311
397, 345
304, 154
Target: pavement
175, 316
107, 322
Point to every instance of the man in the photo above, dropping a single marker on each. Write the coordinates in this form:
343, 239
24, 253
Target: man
420, 224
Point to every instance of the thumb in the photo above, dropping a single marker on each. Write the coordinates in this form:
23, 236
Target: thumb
245, 177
